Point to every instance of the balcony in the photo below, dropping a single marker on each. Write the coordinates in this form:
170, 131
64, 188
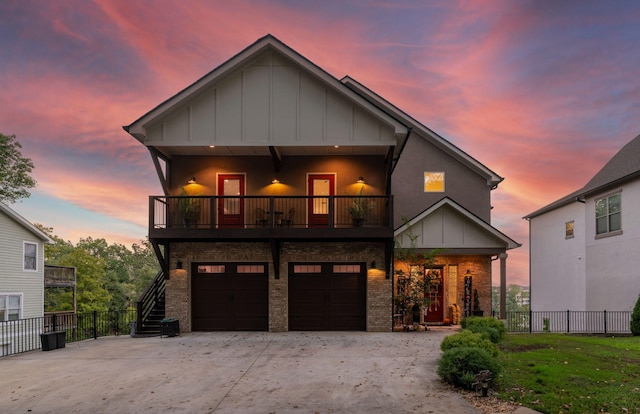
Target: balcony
176, 218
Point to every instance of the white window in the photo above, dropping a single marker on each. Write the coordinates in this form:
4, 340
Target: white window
609, 215
30, 256
10, 307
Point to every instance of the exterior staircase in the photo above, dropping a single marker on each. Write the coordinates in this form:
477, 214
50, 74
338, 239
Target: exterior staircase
151, 307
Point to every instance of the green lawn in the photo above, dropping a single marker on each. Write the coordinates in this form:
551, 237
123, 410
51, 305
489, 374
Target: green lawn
554, 373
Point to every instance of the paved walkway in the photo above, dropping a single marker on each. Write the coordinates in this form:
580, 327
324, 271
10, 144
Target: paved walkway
292, 372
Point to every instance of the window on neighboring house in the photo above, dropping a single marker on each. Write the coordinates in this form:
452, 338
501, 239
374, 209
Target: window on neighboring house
608, 215
30, 256
10, 306
568, 229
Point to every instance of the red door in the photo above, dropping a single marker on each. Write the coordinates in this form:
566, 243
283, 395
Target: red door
320, 185
435, 312
231, 209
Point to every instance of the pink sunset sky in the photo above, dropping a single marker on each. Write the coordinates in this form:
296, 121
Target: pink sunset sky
541, 92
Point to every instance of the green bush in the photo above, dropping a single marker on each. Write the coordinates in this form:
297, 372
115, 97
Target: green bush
468, 339
459, 366
491, 328
635, 319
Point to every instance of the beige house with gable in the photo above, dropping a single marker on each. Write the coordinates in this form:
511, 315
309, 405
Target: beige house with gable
284, 189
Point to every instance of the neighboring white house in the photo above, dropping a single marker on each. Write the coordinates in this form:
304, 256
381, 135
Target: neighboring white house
585, 247
21, 267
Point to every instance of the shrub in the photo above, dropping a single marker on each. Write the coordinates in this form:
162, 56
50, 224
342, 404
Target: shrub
635, 319
459, 366
468, 339
491, 328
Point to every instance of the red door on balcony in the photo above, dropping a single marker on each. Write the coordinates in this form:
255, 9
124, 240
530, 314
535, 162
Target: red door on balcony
231, 209
318, 209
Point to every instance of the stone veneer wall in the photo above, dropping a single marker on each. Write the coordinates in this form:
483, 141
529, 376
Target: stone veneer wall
178, 296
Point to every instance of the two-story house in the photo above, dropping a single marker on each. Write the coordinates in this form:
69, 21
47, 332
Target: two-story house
21, 277
584, 247
279, 189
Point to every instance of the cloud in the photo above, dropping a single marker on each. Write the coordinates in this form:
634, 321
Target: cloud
543, 93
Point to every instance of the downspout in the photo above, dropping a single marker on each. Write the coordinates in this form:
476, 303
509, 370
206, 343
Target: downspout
404, 144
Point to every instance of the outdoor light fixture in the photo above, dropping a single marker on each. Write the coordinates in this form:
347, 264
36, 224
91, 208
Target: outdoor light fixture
179, 265
360, 180
373, 265
275, 180
192, 180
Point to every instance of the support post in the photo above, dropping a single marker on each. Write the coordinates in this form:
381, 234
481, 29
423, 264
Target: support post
503, 285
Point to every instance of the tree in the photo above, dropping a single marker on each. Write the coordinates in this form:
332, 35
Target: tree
108, 276
14, 171
414, 278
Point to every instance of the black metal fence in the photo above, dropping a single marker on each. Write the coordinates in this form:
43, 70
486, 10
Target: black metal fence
23, 335
585, 322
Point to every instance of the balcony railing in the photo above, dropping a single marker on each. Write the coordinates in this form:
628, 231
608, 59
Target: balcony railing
221, 214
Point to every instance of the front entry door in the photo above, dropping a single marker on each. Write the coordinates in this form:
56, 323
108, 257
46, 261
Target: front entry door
231, 209
435, 312
318, 209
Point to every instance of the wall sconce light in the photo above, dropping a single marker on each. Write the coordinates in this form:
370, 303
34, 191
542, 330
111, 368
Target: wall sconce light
373, 265
275, 180
360, 180
179, 265
192, 180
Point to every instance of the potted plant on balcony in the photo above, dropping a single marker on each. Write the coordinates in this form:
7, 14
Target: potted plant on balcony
189, 209
358, 209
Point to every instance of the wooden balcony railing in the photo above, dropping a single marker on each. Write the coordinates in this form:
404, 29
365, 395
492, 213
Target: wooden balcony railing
177, 216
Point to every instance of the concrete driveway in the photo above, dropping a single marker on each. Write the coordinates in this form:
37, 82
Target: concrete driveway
292, 372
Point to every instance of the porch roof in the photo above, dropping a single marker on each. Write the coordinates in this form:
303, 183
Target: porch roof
448, 226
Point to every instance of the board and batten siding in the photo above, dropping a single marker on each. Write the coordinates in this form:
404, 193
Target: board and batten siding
13, 279
270, 101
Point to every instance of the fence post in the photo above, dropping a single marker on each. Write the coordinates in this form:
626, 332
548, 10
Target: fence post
95, 324
530, 321
54, 323
568, 321
605, 321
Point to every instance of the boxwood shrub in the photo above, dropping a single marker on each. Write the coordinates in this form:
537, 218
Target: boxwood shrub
635, 319
459, 366
493, 329
468, 339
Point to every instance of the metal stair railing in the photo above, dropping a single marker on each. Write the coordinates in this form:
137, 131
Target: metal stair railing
153, 294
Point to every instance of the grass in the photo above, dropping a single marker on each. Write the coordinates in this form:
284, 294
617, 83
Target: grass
554, 373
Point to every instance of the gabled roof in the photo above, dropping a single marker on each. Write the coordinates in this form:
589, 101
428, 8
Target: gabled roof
623, 166
25, 223
493, 179
467, 216
137, 127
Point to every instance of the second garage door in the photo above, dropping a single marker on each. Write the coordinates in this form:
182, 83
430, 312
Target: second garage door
327, 297
230, 297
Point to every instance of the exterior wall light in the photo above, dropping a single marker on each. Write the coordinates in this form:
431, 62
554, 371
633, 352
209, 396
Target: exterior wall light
275, 180
192, 180
360, 180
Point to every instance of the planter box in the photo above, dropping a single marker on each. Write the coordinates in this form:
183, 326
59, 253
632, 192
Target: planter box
53, 340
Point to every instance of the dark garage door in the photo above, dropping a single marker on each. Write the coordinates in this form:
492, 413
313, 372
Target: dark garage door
230, 297
327, 297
